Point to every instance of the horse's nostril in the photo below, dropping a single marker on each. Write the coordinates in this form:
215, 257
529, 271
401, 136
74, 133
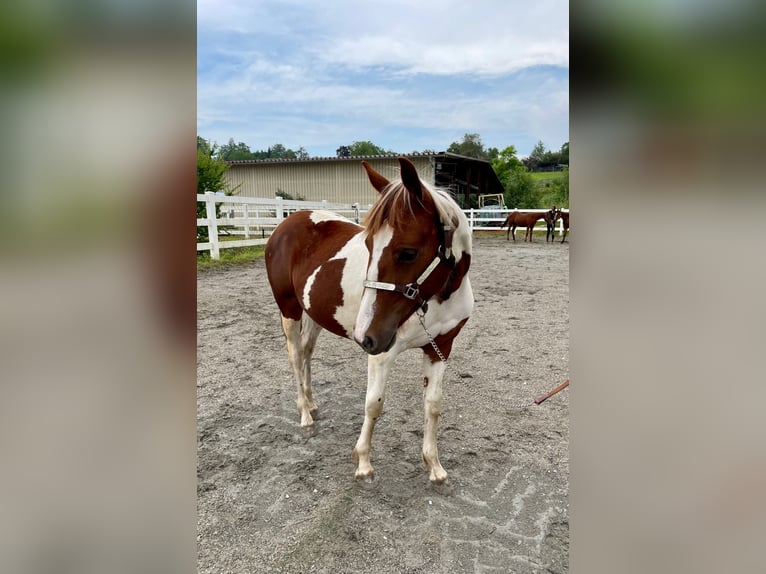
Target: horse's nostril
368, 343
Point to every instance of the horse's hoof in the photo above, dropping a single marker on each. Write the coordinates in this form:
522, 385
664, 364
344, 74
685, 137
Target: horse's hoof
307, 421
438, 477
365, 474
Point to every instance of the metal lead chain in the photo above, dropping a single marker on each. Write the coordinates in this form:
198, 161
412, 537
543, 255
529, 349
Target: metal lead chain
421, 315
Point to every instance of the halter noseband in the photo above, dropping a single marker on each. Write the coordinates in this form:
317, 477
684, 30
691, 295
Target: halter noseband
412, 290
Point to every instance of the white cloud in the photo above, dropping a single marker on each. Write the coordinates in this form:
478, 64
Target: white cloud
332, 73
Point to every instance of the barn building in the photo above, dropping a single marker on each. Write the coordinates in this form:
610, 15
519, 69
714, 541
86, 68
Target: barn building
343, 180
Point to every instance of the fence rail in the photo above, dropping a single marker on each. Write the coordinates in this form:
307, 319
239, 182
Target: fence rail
255, 218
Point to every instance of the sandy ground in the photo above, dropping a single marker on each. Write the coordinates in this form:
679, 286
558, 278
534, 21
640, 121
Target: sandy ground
272, 498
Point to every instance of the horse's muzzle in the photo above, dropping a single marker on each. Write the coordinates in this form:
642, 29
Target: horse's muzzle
374, 346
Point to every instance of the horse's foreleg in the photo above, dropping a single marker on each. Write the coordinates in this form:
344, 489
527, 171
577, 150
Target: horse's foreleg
378, 367
433, 375
296, 354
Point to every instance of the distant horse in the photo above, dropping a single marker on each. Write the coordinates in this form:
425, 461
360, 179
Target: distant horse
550, 223
400, 282
526, 219
565, 221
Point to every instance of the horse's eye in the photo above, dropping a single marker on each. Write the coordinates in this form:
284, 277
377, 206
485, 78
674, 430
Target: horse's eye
407, 255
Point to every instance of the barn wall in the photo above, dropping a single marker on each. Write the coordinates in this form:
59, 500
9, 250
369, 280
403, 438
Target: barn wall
335, 181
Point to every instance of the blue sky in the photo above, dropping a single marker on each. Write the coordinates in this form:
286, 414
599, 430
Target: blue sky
405, 75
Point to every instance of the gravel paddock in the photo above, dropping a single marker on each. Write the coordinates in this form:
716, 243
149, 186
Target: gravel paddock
272, 498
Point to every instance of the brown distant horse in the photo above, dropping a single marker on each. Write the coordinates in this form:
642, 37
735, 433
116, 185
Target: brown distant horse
400, 282
550, 223
565, 221
526, 219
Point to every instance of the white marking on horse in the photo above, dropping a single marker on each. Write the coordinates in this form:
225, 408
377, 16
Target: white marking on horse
367, 305
320, 216
356, 256
307, 289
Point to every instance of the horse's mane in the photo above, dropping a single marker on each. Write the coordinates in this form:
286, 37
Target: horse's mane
394, 206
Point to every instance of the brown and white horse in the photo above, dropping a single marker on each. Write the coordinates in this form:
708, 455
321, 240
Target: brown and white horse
374, 285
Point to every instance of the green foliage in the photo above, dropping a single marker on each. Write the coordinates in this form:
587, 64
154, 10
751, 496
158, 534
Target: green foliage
241, 151
228, 257
520, 190
361, 148
471, 146
284, 195
544, 160
211, 176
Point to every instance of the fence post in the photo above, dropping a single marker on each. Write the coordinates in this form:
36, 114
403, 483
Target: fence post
212, 226
280, 209
247, 224
561, 226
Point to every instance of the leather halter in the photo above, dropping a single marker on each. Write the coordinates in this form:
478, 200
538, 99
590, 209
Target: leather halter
412, 290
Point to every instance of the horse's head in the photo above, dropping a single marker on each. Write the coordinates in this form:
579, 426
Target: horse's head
410, 255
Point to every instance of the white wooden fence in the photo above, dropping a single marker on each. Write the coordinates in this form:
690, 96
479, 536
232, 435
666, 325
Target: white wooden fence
255, 218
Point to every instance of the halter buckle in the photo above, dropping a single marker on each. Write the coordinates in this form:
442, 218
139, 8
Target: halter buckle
411, 291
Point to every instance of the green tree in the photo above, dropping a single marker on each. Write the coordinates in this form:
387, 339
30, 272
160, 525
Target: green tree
367, 148
234, 151
538, 152
211, 170
520, 189
471, 146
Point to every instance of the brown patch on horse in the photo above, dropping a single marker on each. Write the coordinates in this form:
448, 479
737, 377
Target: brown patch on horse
444, 342
455, 279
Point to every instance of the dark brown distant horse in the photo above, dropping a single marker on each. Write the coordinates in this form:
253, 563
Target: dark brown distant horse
400, 282
565, 221
526, 219
550, 224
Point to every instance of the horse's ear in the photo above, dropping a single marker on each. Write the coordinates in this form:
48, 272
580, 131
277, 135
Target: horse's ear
378, 181
410, 177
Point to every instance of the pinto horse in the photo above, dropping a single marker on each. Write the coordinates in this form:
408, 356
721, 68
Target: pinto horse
526, 219
399, 282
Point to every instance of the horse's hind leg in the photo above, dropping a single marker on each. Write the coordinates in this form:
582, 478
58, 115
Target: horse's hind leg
309, 333
301, 336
